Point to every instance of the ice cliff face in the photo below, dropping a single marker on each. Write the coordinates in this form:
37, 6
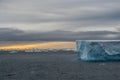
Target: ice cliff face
98, 50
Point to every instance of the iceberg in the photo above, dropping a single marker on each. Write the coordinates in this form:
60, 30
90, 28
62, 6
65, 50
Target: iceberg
98, 50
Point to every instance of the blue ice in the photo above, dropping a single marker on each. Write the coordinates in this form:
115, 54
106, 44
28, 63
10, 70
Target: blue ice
98, 50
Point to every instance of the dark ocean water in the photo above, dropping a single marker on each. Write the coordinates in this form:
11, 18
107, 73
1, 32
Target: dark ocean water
55, 67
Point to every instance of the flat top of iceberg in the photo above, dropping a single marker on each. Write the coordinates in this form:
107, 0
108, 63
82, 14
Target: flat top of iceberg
98, 40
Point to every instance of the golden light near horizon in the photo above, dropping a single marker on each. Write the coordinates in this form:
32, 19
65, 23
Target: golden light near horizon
38, 45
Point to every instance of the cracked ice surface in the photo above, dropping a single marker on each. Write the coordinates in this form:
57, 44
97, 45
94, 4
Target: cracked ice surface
98, 49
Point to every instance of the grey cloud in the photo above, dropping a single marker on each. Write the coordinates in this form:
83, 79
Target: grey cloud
107, 19
78, 12
18, 35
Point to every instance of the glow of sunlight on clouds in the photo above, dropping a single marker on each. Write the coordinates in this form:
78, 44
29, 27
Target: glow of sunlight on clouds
47, 45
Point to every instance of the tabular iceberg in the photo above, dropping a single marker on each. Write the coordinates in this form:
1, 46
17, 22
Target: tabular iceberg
98, 50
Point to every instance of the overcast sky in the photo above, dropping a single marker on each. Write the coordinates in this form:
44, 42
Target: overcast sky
59, 20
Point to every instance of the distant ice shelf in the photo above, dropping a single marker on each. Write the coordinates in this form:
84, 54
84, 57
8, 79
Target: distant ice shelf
98, 50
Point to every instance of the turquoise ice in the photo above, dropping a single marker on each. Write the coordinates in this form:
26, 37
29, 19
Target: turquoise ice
95, 50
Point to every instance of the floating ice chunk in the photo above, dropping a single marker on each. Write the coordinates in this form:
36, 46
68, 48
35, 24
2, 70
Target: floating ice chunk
98, 49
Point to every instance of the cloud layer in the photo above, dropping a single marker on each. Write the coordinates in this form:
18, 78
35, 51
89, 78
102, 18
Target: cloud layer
7, 34
50, 15
54, 20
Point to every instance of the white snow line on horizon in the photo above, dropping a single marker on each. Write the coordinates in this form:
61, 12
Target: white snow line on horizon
98, 40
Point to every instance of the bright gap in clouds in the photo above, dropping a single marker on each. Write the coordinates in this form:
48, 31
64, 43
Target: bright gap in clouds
39, 45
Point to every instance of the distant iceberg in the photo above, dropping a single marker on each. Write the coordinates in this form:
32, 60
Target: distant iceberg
98, 50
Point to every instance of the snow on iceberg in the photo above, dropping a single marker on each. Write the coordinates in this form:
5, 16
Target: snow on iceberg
98, 50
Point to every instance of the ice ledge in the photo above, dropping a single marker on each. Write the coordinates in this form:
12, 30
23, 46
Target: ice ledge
98, 40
